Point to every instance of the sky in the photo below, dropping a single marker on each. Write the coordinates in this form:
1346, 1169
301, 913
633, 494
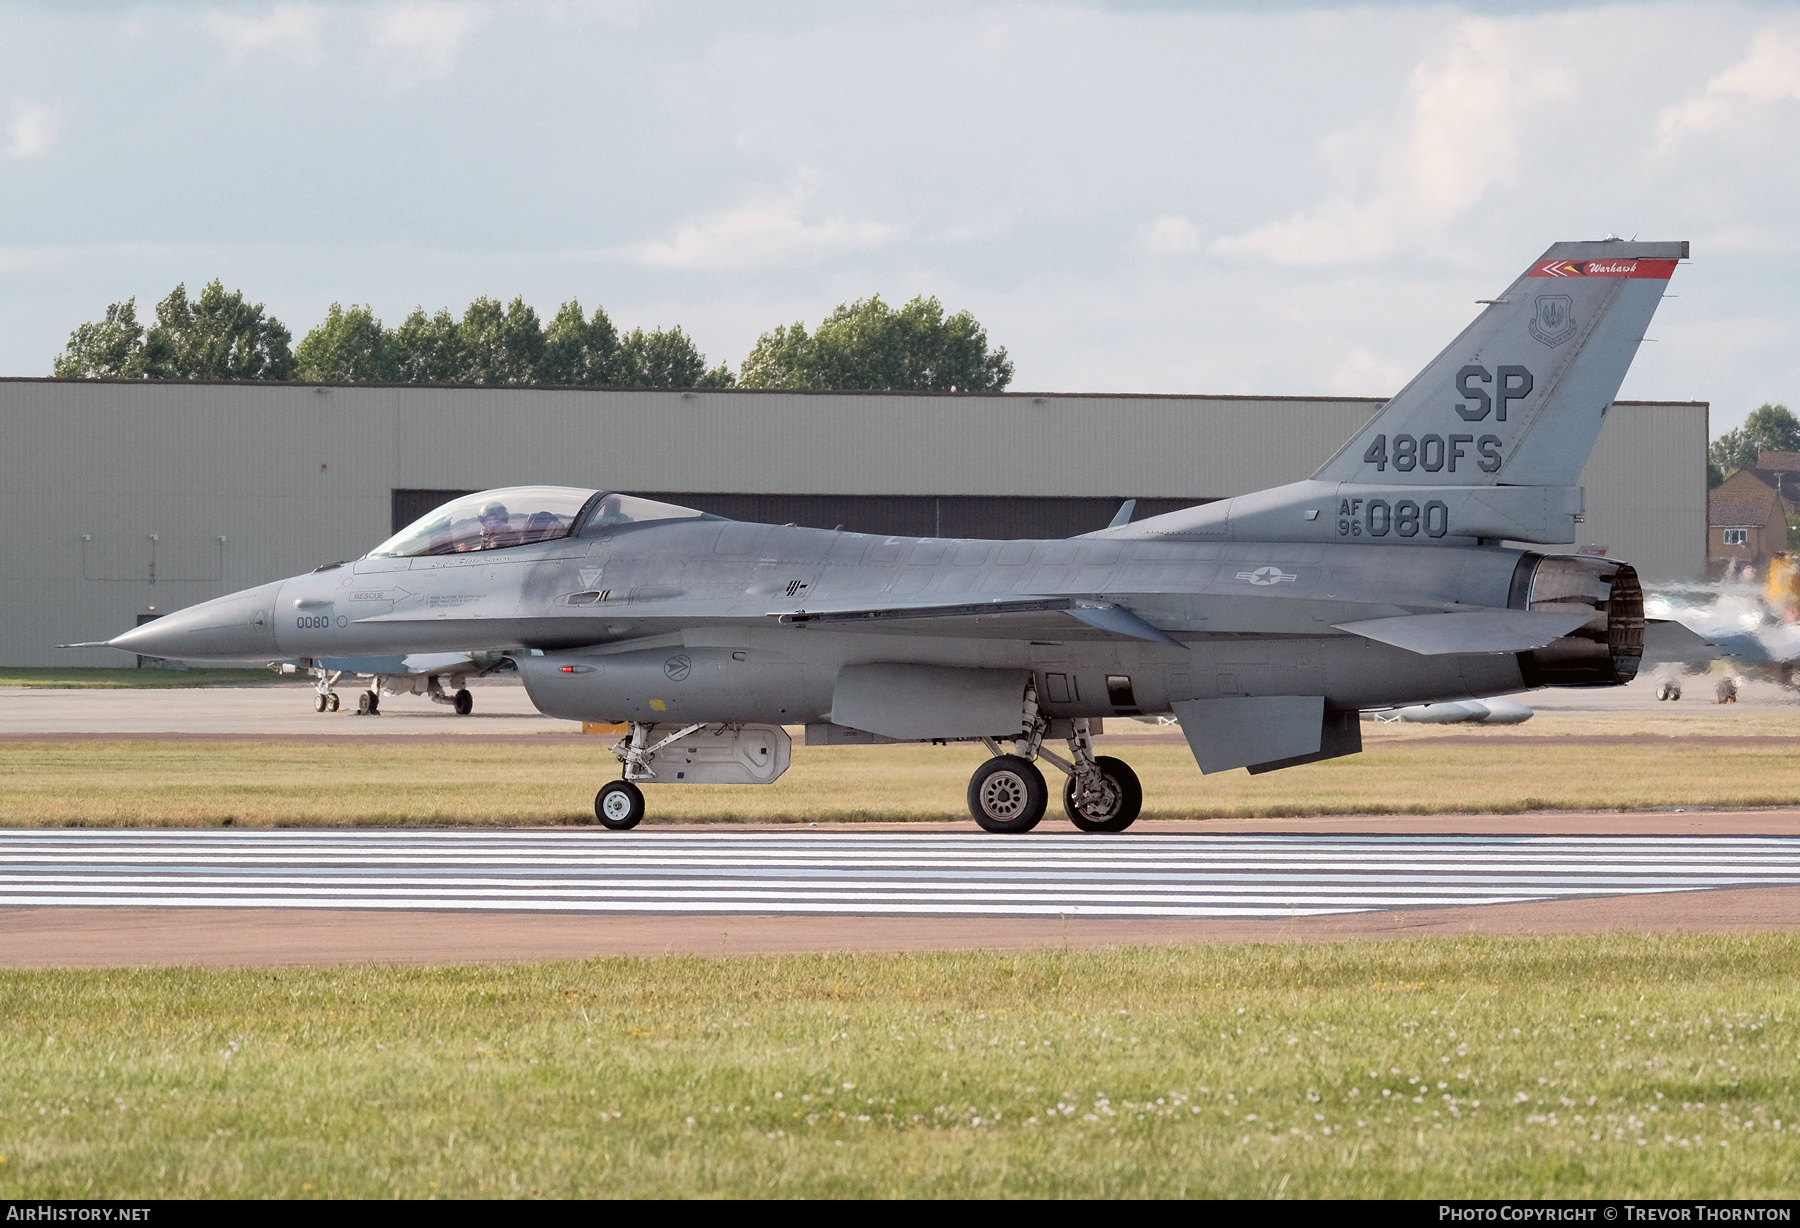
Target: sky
1131, 197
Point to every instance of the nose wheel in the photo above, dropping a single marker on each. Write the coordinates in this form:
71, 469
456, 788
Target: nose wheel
619, 806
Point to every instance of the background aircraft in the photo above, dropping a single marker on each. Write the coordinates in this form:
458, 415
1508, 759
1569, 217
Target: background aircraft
420, 673
1264, 622
1751, 623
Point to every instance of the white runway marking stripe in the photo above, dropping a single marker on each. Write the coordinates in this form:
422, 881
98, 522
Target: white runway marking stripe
811, 873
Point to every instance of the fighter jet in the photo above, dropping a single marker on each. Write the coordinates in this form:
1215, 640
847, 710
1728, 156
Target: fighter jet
1754, 628
419, 673
1265, 622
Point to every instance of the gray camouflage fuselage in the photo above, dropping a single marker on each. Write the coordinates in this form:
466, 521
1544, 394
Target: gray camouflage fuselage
707, 588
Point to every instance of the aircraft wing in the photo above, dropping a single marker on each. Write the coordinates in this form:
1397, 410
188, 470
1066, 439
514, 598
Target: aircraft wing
1433, 635
956, 619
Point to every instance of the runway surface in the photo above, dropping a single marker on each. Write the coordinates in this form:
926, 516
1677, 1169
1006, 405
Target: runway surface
864, 874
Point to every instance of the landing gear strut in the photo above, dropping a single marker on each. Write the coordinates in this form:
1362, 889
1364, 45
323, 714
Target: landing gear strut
1008, 794
619, 806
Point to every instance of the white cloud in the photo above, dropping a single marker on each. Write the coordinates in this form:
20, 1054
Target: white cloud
1769, 72
421, 40
1362, 374
623, 13
1167, 236
31, 131
288, 30
764, 234
1458, 143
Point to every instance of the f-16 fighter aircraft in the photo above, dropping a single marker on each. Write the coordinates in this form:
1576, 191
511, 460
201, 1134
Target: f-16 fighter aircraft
1264, 622
397, 674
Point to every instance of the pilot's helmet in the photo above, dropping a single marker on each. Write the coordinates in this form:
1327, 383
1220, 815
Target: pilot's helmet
494, 512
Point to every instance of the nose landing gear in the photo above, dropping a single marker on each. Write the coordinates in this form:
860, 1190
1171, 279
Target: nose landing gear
619, 806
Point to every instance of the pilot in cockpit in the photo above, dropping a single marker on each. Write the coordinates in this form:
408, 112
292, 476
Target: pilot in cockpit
496, 524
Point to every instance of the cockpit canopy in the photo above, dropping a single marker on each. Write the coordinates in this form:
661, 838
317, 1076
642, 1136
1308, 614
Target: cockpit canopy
518, 515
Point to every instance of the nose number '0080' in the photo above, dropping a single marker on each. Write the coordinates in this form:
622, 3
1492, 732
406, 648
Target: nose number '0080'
312, 622
1378, 518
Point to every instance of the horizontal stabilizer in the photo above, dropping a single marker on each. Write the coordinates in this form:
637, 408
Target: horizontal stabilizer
1668, 642
1434, 635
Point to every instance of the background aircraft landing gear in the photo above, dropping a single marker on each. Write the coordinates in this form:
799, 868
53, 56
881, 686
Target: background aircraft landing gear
1007, 794
1110, 800
1669, 690
325, 698
465, 703
369, 703
619, 805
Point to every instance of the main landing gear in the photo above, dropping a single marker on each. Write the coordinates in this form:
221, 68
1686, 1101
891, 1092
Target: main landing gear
1007, 794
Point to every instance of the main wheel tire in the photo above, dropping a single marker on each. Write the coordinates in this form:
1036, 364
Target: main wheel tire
465, 703
1125, 798
318, 703
365, 703
374, 703
619, 805
1007, 794
332, 701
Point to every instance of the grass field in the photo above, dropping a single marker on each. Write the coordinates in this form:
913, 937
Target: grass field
65, 678
1620, 1066
120, 783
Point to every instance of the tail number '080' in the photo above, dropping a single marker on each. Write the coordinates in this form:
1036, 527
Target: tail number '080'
312, 622
1378, 518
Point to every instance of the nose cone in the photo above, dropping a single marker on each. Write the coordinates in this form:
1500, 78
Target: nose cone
238, 627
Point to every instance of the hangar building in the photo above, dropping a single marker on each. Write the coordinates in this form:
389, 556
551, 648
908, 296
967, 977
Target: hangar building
122, 500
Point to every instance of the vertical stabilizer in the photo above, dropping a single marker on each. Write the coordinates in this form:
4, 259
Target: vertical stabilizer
1519, 398
1487, 442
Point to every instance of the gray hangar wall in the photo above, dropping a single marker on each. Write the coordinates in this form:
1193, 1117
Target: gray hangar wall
123, 498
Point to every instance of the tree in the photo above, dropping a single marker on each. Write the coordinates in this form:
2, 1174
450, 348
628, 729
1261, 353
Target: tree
664, 358
1769, 428
104, 349
428, 349
216, 336
348, 347
501, 345
579, 350
867, 344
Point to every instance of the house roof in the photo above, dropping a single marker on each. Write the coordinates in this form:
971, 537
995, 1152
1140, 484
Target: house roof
1785, 462
1740, 504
